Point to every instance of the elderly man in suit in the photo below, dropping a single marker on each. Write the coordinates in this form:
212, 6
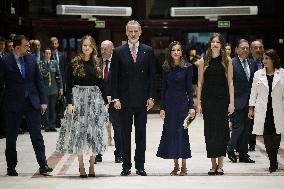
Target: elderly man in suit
23, 95
132, 82
243, 75
106, 57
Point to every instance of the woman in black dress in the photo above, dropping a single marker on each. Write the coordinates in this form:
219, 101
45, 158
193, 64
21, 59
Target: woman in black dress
215, 98
176, 105
266, 105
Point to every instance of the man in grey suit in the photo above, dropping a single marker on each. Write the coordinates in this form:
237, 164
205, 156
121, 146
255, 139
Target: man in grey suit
243, 75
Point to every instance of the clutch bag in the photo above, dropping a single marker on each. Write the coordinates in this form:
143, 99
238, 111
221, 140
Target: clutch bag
187, 121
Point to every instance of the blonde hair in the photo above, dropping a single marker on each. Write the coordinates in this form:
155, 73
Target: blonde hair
78, 67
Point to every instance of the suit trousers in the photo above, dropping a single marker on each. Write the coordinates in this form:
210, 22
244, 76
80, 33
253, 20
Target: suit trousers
13, 121
115, 120
140, 120
50, 113
240, 132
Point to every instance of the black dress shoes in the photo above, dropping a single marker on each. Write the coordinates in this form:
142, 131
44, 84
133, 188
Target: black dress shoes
45, 169
12, 172
141, 172
125, 172
118, 159
232, 156
246, 160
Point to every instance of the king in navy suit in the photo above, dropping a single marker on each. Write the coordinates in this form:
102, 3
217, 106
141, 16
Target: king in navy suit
23, 96
132, 86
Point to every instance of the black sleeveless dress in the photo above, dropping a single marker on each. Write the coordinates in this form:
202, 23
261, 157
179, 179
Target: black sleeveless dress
214, 102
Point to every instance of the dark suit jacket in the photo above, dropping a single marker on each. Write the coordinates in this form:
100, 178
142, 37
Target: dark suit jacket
15, 84
242, 86
133, 83
62, 65
108, 82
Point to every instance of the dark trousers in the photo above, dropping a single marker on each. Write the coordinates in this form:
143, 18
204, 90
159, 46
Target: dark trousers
252, 137
140, 120
13, 121
50, 113
240, 132
2, 123
115, 120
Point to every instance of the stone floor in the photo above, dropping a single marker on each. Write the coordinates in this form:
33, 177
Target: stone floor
65, 174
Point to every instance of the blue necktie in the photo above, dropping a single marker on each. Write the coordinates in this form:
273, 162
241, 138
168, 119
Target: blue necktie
23, 71
23, 68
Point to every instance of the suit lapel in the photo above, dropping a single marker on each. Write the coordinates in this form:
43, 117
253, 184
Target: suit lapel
27, 66
240, 67
127, 54
15, 66
276, 78
263, 78
140, 54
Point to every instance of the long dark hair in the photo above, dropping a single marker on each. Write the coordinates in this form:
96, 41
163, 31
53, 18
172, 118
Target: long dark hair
169, 62
208, 55
77, 61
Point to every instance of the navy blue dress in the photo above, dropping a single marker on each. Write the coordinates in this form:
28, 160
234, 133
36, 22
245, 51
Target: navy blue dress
176, 100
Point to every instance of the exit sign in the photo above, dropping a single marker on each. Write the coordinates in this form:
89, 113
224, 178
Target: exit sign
224, 24
100, 24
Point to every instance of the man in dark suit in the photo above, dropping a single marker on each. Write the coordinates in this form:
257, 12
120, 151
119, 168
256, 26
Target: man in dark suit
105, 63
132, 83
23, 95
243, 75
61, 59
37, 50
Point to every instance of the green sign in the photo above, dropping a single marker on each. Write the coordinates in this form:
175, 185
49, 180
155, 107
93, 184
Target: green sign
224, 24
100, 24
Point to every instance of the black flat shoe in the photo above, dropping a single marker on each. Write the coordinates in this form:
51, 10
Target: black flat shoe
12, 172
219, 171
45, 169
212, 172
141, 172
125, 172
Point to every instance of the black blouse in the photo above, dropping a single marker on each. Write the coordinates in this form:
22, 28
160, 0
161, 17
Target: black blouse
90, 79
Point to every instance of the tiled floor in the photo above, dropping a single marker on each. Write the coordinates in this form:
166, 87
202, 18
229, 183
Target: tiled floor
65, 174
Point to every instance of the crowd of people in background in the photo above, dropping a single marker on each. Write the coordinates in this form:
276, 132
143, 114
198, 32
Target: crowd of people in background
106, 89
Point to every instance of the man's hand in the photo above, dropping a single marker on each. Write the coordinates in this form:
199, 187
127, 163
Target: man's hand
191, 113
150, 103
70, 109
162, 114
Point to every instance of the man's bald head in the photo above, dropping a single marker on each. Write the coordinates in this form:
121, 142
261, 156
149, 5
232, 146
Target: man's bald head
106, 49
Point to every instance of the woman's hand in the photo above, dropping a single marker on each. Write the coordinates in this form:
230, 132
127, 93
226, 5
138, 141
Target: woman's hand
198, 109
191, 113
231, 109
70, 109
251, 113
162, 114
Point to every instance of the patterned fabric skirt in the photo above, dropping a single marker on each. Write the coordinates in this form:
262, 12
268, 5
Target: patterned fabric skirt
85, 132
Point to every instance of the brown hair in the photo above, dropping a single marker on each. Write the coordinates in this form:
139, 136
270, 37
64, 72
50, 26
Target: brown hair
272, 54
78, 67
208, 55
169, 62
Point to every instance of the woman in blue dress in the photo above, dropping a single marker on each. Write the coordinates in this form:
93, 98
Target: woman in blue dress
176, 105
